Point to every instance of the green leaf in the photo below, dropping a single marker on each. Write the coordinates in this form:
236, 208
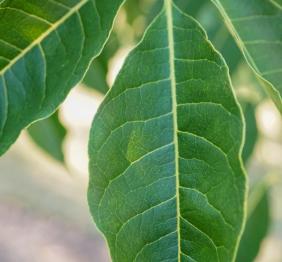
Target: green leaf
96, 76
257, 223
219, 35
278, 3
251, 135
45, 49
257, 27
190, 7
49, 135
206, 13
166, 182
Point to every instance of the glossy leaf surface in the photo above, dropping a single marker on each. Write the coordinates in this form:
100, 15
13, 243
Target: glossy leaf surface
45, 49
166, 182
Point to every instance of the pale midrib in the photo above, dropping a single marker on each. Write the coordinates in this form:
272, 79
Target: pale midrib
168, 8
44, 35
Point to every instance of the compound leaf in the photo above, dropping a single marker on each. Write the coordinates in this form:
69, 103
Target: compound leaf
45, 49
166, 182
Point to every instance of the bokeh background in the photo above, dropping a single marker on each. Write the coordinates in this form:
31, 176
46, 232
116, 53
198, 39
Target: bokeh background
43, 178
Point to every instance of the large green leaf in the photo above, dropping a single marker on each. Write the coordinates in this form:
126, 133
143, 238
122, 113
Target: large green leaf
258, 222
45, 48
49, 135
166, 182
257, 27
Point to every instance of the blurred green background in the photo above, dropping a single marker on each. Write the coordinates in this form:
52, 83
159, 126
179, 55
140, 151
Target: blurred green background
43, 207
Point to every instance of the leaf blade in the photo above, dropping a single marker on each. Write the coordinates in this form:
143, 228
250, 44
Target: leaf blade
243, 18
144, 128
49, 51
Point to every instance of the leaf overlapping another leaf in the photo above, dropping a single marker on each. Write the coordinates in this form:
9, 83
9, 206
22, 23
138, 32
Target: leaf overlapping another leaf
166, 182
45, 49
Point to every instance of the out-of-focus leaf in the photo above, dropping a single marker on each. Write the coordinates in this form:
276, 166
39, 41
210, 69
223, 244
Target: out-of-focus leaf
191, 7
166, 181
133, 9
96, 76
251, 134
278, 3
49, 135
258, 221
219, 35
257, 27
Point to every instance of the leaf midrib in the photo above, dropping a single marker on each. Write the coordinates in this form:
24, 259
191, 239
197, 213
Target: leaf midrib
168, 9
43, 35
